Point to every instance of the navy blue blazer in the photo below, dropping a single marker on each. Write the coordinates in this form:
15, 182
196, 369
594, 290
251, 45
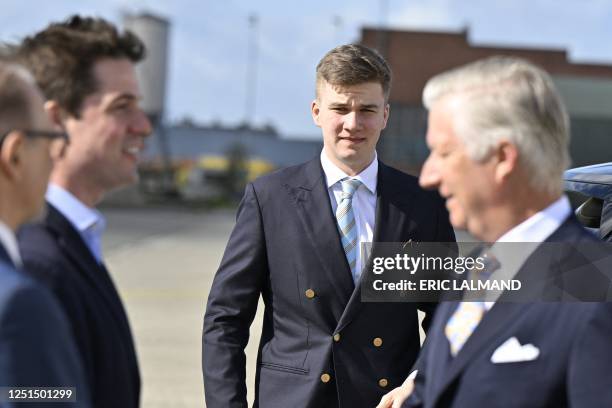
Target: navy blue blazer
55, 255
36, 348
574, 365
320, 345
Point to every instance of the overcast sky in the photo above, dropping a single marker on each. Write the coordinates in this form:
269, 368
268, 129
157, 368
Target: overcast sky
208, 42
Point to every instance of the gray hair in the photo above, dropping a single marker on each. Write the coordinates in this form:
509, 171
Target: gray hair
512, 99
15, 101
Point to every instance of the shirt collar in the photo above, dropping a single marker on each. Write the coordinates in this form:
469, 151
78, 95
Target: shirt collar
85, 219
529, 234
541, 225
368, 176
9, 242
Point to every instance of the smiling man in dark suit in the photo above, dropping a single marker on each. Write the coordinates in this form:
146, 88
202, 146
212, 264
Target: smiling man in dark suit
85, 68
499, 134
296, 243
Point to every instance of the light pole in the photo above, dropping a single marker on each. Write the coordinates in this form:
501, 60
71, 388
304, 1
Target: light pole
251, 74
337, 22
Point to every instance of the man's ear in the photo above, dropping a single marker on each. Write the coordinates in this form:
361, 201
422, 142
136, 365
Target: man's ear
386, 115
315, 110
55, 112
507, 156
58, 116
11, 154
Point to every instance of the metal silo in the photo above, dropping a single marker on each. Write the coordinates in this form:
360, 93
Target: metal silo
152, 72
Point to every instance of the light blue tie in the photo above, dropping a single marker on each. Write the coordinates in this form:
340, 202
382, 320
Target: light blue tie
468, 314
345, 219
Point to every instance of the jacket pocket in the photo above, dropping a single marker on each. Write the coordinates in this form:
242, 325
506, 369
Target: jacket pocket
283, 368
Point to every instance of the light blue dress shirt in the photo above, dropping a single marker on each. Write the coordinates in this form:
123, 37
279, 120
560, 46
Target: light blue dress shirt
89, 222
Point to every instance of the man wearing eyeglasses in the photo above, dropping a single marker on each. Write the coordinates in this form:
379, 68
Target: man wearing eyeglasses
36, 346
85, 68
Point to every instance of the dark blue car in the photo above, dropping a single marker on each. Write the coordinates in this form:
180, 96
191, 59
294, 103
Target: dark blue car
590, 190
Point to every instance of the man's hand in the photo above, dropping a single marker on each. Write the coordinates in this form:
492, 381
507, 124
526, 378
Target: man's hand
395, 398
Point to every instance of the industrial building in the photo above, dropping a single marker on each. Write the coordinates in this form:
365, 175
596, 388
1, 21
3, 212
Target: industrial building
416, 56
190, 142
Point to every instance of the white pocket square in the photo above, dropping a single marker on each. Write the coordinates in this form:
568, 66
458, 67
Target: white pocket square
511, 351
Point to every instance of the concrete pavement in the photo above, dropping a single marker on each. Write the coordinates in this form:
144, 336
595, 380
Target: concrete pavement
163, 262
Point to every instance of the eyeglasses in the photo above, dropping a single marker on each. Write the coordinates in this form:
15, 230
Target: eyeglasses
46, 134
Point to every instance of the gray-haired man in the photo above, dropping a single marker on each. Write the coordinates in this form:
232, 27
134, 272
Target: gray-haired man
498, 134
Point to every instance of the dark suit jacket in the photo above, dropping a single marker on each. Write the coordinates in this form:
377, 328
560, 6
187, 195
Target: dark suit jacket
286, 247
55, 255
36, 348
574, 366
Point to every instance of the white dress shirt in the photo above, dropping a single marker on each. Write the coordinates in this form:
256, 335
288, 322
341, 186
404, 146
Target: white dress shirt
364, 200
89, 222
535, 229
9, 242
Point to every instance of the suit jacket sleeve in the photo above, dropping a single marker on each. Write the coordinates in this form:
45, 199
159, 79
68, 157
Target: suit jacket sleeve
36, 348
590, 366
231, 307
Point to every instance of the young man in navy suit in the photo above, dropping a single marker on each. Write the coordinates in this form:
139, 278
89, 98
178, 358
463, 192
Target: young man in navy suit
499, 135
296, 243
36, 345
85, 68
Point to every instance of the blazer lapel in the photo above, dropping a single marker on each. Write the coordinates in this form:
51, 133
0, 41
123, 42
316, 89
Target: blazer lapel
72, 243
391, 222
492, 325
311, 197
